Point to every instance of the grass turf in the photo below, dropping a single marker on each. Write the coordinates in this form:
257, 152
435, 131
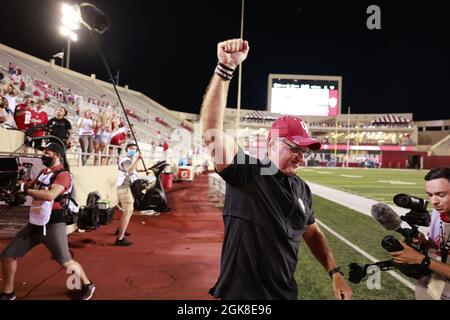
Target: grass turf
377, 184
359, 229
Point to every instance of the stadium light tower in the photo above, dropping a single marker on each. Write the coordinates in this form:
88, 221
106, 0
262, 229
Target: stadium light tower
70, 23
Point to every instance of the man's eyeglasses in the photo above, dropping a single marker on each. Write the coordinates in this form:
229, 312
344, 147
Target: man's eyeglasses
297, 150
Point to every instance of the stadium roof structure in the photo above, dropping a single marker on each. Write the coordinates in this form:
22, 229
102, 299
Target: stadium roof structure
390, 119
261, 115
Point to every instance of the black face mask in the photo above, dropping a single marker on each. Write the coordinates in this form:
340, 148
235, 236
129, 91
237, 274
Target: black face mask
48, 161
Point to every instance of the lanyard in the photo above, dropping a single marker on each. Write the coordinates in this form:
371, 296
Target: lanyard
444, 244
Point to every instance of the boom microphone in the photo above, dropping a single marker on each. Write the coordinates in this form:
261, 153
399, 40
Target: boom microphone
386, 216
93, 18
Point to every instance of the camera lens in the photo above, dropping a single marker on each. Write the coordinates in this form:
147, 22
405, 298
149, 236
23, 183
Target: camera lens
410, 202
391, 244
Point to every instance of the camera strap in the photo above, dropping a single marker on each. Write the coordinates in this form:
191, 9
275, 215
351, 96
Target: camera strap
444, 245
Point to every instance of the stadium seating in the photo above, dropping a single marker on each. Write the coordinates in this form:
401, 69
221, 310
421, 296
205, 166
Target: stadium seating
152, 123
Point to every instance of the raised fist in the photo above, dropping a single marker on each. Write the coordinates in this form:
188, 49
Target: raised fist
232, 52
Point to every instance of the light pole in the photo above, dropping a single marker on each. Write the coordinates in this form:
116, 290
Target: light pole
71, 21
348, 139
238, 109
68, 54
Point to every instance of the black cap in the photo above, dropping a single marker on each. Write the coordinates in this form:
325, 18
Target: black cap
56, 147
131, 145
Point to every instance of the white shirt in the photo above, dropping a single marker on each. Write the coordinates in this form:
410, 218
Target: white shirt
11, 102
87, 128
123, 165
435, 234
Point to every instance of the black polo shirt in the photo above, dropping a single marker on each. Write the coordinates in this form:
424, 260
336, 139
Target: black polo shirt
60, 128
265, 216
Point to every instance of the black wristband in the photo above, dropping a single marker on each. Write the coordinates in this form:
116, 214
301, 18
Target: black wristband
223, 74
334, 270
426, 262
226, 67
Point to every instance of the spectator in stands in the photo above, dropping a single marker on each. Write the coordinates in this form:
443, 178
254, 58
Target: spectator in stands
40, 118
22, 85
86, 135
2, 76
118, 136
165, 149
5, 116
23, 117
102, 135
11, 68
11, 94
268, 208
127, 175
60, 127
61, 89
23, 114
36, 93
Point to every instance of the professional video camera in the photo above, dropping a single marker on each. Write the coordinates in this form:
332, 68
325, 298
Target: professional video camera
418, 216
30, 132
13, 175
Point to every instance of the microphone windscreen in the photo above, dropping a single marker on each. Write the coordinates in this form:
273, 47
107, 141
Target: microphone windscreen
386, 216
95, 18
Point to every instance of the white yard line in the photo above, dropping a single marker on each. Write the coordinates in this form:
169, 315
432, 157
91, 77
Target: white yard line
394, 274
355, 202
352, 201
350, 176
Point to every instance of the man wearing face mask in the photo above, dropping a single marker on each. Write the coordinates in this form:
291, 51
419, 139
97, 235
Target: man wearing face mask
47, 224
127, 175
267, 209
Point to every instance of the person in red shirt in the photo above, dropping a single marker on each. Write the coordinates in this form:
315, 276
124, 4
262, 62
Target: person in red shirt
23, 115
39, 117
22, 85
119, 135
165, 149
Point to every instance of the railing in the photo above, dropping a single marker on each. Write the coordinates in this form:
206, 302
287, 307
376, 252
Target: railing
110, 155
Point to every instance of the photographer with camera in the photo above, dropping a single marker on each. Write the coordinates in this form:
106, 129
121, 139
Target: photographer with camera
51, 194
438, 243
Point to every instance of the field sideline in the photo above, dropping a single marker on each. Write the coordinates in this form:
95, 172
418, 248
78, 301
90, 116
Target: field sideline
377, 184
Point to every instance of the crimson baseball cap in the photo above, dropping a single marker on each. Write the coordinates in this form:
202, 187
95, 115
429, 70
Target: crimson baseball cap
293, 129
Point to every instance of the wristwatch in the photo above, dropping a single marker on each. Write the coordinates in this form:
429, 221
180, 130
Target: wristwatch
334, 270
426, 262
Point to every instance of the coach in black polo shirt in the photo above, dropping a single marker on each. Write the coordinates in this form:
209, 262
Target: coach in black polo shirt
268, 209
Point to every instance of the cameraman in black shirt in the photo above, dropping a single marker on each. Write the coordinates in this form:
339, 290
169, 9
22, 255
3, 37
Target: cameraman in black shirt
267, 209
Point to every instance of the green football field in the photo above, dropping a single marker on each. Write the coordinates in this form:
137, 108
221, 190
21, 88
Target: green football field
377, 184
359, 229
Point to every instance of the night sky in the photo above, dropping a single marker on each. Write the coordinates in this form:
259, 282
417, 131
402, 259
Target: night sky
167, 49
